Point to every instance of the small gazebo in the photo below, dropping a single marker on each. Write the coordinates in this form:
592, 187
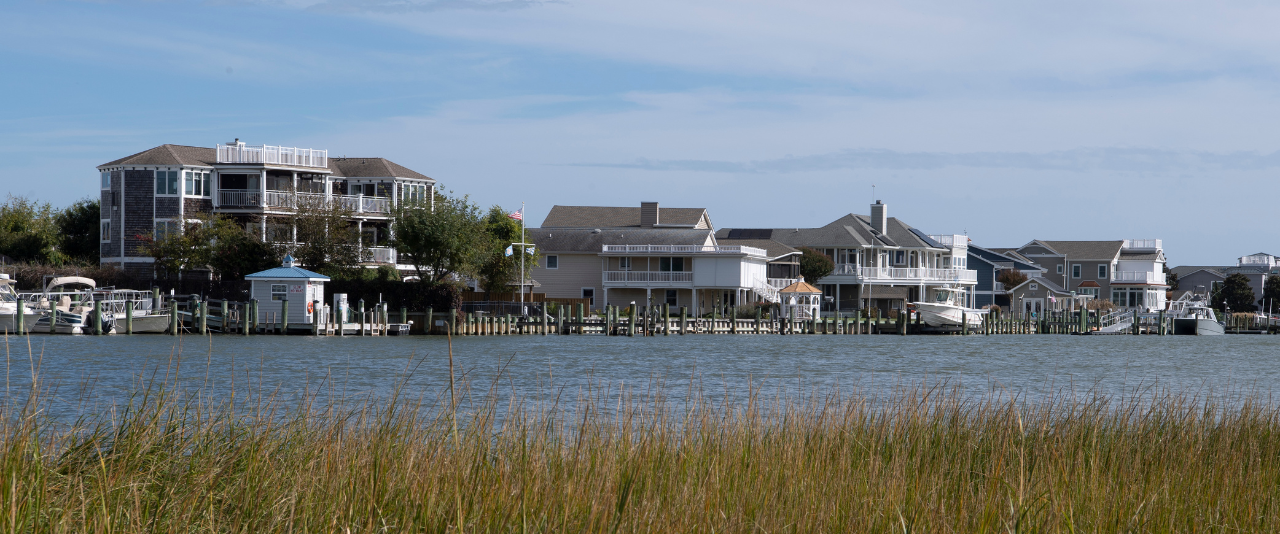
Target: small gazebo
301, 287
802, 297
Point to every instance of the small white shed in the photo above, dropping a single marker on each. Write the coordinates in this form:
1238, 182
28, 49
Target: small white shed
300, 286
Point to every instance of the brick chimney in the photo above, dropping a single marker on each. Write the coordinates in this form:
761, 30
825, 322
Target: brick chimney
648, 214
879, 216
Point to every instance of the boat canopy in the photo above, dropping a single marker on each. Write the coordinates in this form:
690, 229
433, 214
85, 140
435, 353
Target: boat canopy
68, 280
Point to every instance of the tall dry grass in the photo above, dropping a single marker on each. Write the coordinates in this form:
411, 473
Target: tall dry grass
920, 459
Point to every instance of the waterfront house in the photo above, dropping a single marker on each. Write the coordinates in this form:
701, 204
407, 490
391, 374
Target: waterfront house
1129, 272
987, 264
1256, 267
1197, 279
880, 261
647, 255
157, 191
1036, 295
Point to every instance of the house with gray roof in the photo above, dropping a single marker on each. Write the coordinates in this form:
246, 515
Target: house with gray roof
159, 190
649, 255
880, 261
1128, 272
1197, 279
988, 264
1256, 267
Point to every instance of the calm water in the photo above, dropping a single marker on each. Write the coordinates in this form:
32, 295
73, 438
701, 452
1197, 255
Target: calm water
537, 367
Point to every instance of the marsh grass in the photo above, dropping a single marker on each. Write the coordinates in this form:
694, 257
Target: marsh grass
924, 459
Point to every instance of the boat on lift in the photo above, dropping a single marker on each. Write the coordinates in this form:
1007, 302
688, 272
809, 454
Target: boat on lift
947, 311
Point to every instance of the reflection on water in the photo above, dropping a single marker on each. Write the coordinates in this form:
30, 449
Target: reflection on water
537, 368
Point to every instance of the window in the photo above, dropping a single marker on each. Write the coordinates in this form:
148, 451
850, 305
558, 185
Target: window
279, 291
624, 264
671, 298
671, 264
106, 230
899, 258
553, 262
196, 183
166, 228
106, 179
166, 182
1075, 271
589, 293
1102, 272
1059, 268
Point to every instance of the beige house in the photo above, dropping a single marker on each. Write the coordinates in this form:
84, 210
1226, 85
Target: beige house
648, 256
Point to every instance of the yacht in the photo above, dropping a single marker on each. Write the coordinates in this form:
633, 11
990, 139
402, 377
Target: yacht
1192, 316
946, 309
9, 308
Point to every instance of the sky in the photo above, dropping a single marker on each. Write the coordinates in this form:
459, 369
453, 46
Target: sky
1004, 120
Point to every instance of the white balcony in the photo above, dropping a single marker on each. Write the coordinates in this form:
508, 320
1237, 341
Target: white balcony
781, 283
905, 275
951, 240
683, 249
1137, 277
244, 198
1257, 260
383, 255
1142, 244
998, 287
648, 278
272, 155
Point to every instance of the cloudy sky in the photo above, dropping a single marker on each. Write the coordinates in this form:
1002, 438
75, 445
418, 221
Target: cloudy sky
1006, 120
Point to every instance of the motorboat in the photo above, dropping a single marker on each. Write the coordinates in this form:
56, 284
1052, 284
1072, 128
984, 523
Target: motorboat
1192, 316
9, 308
135, 307
946, 309
67, 304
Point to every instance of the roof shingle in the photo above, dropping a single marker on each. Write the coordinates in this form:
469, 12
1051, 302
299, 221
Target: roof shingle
621, 217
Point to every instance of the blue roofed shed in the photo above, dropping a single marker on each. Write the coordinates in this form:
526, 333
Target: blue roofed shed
302, 288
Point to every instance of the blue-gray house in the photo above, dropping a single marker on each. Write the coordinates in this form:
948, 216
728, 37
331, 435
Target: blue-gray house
988, 263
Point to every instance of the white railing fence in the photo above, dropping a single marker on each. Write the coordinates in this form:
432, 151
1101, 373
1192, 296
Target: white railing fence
648, 276
1142, 244
383, 254
906, 273
239, 197
272, 155
683, 249
1137, 277
781, 283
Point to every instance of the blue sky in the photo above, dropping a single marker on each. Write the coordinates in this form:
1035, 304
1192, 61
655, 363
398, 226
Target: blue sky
1006, 120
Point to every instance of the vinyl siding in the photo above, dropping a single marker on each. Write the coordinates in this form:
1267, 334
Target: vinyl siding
576, 272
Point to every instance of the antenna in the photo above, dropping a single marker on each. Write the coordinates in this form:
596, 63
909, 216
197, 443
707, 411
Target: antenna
873, 193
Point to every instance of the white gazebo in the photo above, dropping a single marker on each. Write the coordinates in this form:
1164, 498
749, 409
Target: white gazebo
803, 298
301, 287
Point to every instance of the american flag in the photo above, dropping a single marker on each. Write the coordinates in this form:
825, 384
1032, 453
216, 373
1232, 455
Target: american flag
517, 215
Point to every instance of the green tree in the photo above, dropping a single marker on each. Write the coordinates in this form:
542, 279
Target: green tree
78, 226
29, 231
1170, 278
1011, 278
234, 251
1235, 294
814, 265
1270, 300
495, 270
440, 242
328, 240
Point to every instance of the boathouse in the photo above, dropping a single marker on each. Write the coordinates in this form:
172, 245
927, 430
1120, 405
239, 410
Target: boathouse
300, 287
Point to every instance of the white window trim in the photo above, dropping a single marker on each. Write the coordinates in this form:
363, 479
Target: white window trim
107, 230
1102, 271
178, 185
1076, 271
549, 257
621, 266
1060, 268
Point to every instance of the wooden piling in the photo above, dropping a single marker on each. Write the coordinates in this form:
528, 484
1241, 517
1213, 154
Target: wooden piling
19, 320
173, 318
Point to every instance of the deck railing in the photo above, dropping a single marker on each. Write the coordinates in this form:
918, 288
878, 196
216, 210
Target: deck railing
781, 283
239, 197
913, 274
951, 240
1137, 277
683, 249
383, 254
1142, 244
272, 155
648, 277
280, 199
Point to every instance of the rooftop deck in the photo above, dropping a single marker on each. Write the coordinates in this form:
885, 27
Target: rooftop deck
272, 155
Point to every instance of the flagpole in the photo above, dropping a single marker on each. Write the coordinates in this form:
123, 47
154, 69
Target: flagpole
522, 253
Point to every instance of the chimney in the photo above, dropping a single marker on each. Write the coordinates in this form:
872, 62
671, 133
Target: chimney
879, 217
648, 214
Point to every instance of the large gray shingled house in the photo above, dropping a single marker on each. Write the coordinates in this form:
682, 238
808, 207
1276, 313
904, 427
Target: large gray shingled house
154, 191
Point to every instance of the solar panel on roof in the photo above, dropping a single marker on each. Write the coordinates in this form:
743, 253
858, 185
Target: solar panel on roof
750, 233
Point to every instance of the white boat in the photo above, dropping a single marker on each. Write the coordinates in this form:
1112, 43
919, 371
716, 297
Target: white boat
945, 310
9, 308
1192, 316
70, 298
144, 318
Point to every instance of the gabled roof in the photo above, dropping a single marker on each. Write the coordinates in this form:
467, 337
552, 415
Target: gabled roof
372, 168
592, 240
1049, 285
800, 286
1085, 250
168, 155
994, 258
849, 231
1184, 270
773, 249
1088, 283
623, 217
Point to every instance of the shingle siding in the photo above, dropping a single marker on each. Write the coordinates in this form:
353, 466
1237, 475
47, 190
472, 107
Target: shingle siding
197, 205
139, 211
167, 207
